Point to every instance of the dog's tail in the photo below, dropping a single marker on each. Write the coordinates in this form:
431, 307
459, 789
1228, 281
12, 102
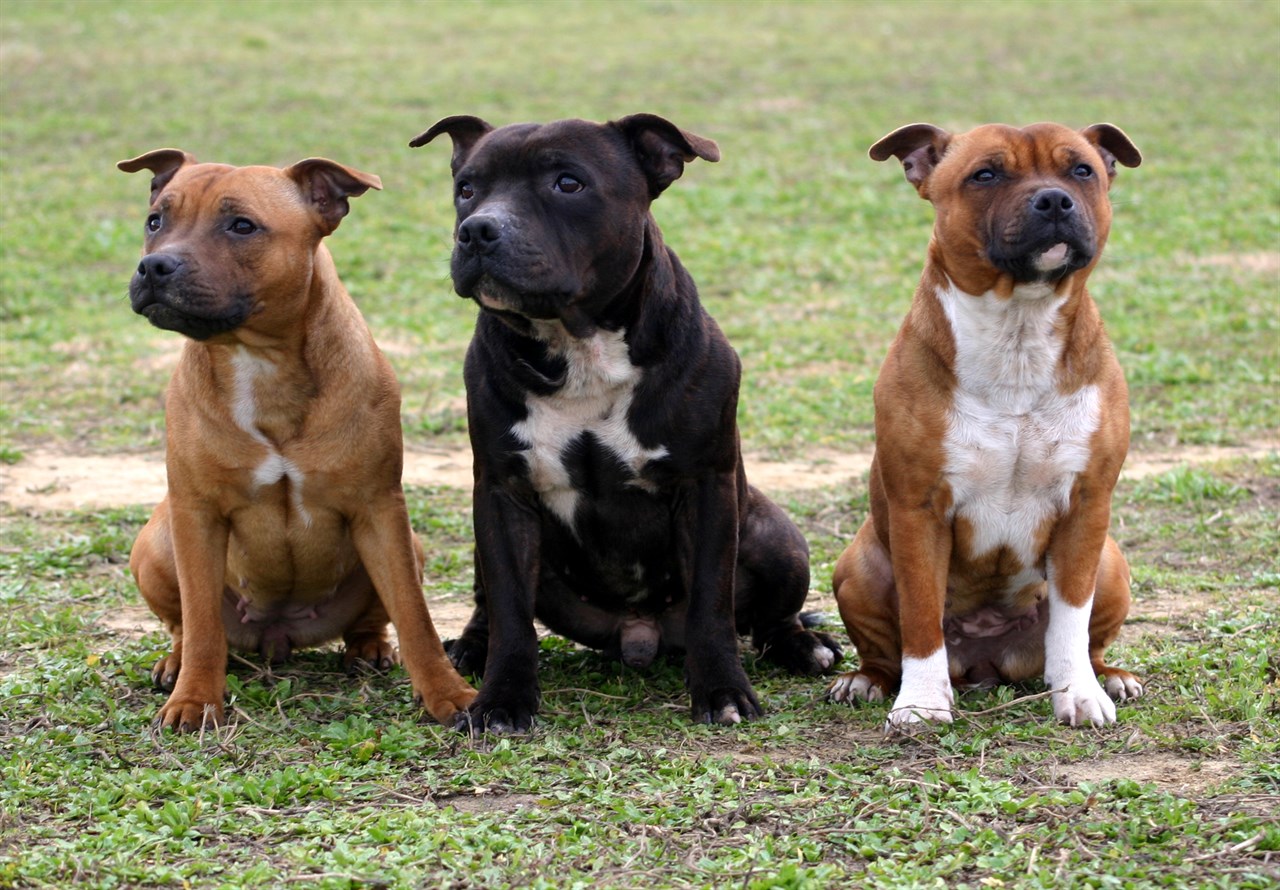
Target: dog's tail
809, 620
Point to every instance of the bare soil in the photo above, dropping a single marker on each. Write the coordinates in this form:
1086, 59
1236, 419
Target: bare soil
47, 480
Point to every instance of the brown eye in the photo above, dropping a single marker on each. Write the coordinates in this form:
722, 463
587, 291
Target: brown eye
153, 223
242, 226
1082, 171
568, 185
983, 175
465, 191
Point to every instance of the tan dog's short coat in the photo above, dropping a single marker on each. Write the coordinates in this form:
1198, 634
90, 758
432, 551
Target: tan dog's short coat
285, 523
1002, 421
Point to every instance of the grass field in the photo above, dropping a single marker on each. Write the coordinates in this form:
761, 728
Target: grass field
807, 253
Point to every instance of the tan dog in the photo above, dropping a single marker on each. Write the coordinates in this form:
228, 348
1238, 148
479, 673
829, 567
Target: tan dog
1002, 420
285, 524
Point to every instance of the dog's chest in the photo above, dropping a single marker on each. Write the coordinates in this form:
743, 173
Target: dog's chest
583, 424
250, 373
1014, 443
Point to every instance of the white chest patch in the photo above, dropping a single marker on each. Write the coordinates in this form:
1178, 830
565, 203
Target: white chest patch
1014, 443
599, 385
275, 466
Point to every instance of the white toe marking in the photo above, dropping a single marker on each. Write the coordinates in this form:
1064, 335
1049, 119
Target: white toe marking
926, 691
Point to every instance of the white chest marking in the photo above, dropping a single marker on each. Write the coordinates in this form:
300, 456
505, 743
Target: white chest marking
599, 385
1014, 443
275, 466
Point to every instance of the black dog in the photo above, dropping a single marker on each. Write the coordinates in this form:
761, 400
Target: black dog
610, 499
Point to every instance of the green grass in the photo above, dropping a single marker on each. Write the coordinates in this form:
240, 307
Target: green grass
805, 249
337, 783
807, 252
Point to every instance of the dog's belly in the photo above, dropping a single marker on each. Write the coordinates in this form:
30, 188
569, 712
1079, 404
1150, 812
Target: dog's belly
289, 577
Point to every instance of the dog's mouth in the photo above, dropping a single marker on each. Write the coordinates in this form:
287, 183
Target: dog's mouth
522, 309
163, 314
1050, 260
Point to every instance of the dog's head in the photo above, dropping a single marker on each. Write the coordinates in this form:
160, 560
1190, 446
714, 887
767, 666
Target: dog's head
1013, 205
227, 247
552, 217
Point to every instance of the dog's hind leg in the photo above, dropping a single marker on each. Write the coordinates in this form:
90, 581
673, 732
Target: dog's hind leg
772, 584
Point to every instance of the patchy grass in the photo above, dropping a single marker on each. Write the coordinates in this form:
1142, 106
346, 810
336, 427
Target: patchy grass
337, 782
805, 250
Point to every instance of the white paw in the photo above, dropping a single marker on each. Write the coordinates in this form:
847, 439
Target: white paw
853, 686
908, 712
1124, 688
926, 694
1082, 701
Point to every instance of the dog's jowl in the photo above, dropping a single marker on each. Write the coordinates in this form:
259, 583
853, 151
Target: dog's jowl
1002, 419
610, 499
284, 524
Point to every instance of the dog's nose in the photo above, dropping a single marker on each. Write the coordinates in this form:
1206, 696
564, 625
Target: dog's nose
1053, 204
480, 233
156, 267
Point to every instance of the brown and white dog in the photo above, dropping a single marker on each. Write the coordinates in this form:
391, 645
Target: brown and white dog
1002, 421
285, 524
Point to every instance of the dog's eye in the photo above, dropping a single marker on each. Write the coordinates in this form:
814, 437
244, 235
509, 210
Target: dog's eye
986, 174
465, 191
1082, 171
568, 184
242, 226
153, 222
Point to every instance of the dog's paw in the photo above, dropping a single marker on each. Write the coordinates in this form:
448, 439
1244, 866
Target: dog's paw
855, 686
165, 673
447, 701
1122, 685
1082, 701
928, 700
488, 714
904, 718
189, 715
726, 706
804, 652
372, 653
468, 655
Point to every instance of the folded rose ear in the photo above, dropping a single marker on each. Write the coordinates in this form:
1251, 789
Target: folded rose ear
327, 185
663, 148
465, 131
1112, 143
163, 163
919, 147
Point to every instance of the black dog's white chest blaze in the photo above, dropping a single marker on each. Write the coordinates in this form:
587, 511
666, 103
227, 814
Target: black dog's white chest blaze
569, 429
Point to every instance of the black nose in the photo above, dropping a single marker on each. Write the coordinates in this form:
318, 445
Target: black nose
480, 233
157, 267
1052, 204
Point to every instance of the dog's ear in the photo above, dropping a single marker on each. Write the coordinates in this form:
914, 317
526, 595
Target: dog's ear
919, 146
327, 185
1112, 143
465, 131
163, 163
663, 148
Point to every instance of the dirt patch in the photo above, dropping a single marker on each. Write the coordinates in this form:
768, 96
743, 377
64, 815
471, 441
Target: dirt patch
52, 480
1184, 776
1266, 262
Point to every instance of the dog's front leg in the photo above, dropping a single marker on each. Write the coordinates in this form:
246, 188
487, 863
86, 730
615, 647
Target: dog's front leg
1072, 572
921, 552
384, 541
200, 554
508, 546
708, 541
